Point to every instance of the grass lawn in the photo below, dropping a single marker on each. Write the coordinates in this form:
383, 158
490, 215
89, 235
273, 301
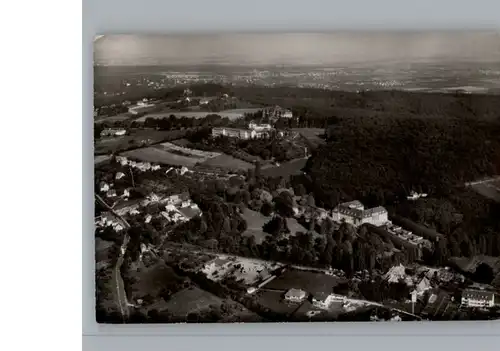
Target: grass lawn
311, 282
286, 169
136, 138
157, 155
255, 221
227, 162
274, 300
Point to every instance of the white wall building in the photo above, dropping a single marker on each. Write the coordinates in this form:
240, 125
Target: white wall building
295, 295
355, 213
478, 298
113, 132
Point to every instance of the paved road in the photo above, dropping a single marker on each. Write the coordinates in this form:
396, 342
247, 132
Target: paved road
118, 280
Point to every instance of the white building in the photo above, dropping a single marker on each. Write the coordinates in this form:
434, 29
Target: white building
104, 187
415, 196
328, 300
478, 298
119, 175
239, 133
259, 127
355, 213
113, 132
295, 295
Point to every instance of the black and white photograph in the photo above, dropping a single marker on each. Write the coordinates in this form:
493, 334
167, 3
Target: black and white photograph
257, 177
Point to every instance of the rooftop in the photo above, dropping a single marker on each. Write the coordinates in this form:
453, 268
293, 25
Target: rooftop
478, 294
295, 293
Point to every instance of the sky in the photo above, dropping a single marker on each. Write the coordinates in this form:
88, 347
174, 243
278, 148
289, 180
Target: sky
297, 48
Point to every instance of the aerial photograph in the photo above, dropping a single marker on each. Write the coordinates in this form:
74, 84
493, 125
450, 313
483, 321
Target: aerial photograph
297, 177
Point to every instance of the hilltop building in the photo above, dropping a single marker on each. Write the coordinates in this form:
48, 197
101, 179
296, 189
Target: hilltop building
355, 213
254, 131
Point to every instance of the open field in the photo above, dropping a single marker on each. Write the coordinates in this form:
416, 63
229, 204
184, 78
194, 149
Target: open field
181, 142
196, 300
157, 155
228, 162
312, 135
255, 222
171, 147
117, 118
135, 138
309, 312
315, 283
151, 281
274, 300
295, 226
191, 300
286, 169
231, 114
101, 159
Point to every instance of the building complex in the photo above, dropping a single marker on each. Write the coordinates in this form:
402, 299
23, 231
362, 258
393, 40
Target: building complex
355, 213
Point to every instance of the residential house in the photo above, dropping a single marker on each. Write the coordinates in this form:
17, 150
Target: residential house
355, 213
323, 301
276, 112
477, 298
111, 193
295, 295
103, 187
119, 175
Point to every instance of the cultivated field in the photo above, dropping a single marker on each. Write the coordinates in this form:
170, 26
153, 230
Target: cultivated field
136, 138
205, 155
231, 114
157, 155
311, 282
255, 222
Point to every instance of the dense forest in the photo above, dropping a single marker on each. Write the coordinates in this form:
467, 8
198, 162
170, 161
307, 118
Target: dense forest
390, 156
